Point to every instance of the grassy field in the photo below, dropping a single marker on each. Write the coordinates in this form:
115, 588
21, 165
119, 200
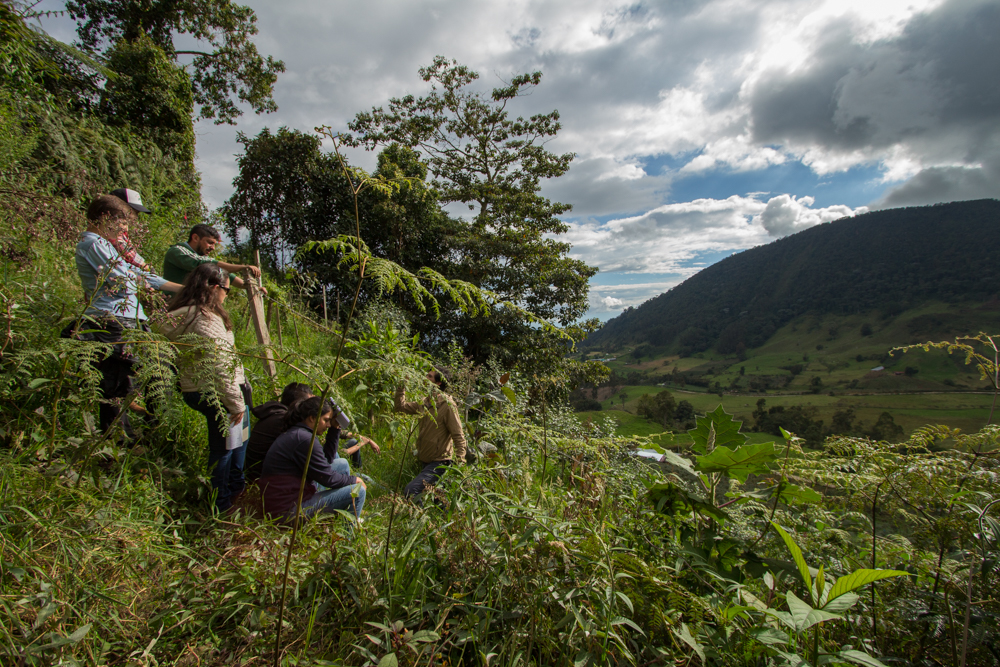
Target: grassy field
917, 387
966, 411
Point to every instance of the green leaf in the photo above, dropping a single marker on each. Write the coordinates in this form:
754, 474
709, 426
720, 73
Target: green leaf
388, 660
621, 620
727, 431
769, 636
59, 642
425, 636
841, 603
859, 578
670, 499
792, 494
38, 382
800, 562
739, 463
858, 658
509, 393
685, 636
626, 600
804, 615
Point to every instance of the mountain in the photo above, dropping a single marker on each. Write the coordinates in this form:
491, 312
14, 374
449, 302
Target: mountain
889, 261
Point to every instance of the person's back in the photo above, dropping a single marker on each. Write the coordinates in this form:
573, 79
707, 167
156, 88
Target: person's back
270, 424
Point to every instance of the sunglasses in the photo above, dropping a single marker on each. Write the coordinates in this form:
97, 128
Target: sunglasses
224, 288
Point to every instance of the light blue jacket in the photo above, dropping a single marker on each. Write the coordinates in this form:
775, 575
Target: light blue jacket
109, 282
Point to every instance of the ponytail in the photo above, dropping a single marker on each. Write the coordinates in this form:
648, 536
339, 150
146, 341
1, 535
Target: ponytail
304, 408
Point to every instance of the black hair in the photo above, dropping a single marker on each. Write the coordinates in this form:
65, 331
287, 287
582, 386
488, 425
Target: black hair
304, 408
439, 379
204, 231
197, 291
294, 391
108, 207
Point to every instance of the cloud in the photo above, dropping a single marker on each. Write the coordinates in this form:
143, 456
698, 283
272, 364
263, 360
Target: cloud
786, 215
669, 238
610, 302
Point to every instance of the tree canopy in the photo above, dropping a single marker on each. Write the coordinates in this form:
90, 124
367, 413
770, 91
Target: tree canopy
229, 69
494, 164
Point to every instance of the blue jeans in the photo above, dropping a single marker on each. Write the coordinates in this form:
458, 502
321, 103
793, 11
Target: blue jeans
331, 500
428, 476
226, 466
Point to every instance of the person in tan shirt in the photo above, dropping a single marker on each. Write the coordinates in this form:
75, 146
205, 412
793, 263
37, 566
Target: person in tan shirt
440, 439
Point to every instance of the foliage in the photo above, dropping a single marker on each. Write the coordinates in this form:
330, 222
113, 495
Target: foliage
481, 157
659, 408
746, 298
231, 68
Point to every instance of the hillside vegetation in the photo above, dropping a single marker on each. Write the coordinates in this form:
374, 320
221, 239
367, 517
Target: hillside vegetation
556, 546
885, 262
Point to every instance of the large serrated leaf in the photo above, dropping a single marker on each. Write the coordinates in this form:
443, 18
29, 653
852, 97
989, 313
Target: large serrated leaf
800, 562
859, 578
739, 463
726, 431
388, 661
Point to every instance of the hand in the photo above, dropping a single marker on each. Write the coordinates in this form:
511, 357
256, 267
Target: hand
362, 483
237, 418
371, 443
254, 271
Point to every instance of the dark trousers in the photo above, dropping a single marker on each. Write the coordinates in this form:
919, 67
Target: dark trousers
428, 476
116, 369
226, 466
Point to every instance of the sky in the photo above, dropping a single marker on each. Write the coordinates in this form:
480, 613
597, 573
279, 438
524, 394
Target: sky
700, 128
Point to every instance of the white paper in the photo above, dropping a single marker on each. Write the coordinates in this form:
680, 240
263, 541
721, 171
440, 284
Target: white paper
239, 433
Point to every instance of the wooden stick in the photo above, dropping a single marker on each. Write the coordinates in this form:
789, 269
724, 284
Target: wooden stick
256, 301
325, 321
281, 342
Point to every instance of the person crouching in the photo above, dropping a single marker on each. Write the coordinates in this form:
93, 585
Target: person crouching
327, 489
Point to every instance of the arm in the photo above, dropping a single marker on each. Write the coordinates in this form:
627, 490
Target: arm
454, 426
404, 406
321, 472
236, 268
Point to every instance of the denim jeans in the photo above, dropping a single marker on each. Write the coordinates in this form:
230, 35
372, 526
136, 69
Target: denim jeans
226, 466
331, 500
428, 476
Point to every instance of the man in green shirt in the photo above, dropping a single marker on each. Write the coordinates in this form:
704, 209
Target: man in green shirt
183, 258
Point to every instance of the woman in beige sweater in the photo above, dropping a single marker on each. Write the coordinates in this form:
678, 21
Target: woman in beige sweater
198, 309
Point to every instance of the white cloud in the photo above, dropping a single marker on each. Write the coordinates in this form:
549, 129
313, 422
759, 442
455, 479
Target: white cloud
610, 302
669, 238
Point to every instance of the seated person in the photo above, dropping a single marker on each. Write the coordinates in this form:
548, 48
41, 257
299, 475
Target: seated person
282, 471
270, 424
440, 439
352, 447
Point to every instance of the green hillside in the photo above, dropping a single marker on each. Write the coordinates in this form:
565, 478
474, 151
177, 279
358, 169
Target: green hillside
872, 267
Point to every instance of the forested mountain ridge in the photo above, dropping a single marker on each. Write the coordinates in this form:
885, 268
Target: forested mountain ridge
888, 260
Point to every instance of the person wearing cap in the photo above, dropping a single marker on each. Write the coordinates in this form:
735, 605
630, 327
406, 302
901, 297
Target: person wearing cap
181, 259
440, 439
110, 286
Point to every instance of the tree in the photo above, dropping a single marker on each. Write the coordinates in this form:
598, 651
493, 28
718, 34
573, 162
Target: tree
230, 67
623, 396
684, 412
659, 408
289, 192
482, 158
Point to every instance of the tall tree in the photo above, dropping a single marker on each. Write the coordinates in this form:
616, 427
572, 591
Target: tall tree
228, 70
481, 157
289, 192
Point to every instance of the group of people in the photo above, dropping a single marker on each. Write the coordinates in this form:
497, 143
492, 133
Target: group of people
285, 438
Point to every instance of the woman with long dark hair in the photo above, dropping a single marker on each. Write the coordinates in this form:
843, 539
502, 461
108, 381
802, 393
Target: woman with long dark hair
281, 474
199, 309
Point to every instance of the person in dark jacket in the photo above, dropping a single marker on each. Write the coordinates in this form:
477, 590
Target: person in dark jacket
270, 424
283, 465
